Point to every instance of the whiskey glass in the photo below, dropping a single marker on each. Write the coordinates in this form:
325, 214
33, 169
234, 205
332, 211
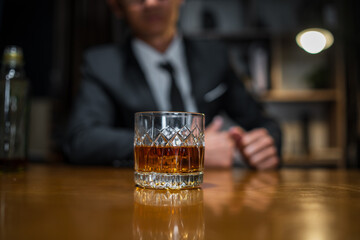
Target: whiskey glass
169, 149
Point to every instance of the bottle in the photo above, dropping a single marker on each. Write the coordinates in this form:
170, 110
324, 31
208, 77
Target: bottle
14, 111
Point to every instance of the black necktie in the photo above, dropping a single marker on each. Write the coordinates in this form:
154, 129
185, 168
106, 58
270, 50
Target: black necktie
175, 96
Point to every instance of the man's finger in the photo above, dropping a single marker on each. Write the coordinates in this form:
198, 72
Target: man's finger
236, 133
262, 155
270, 163
254, 135
258, 145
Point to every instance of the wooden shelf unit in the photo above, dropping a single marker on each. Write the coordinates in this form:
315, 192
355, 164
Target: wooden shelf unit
333, 97
321, 157
284, 57
328, 95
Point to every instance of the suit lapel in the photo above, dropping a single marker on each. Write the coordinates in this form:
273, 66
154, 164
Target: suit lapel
136, 78
197, 72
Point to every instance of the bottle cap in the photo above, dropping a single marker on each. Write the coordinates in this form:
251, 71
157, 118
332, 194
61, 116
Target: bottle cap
13, 55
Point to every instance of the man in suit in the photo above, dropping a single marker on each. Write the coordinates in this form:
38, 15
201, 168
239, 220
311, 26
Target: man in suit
119, 80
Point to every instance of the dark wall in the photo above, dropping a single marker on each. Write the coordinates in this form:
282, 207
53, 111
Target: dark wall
54, 35
350, 11
78, 25
29, 24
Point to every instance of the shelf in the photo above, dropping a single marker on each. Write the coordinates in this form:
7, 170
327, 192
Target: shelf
231, 36
323, 157
299, 96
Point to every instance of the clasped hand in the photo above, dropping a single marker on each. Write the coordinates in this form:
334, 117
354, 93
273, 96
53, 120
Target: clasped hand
256, 146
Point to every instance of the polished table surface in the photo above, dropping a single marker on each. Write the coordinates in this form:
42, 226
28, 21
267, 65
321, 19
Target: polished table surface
68, 202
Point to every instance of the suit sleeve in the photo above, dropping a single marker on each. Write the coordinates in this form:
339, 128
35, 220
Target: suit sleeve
246, 111
92, 137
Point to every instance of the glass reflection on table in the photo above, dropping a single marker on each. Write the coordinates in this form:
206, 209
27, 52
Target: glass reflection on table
168, 214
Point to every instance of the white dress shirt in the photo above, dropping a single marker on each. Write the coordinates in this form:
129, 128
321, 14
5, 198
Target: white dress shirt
158, 79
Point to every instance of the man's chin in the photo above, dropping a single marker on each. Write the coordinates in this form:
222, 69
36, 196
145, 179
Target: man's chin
154, 33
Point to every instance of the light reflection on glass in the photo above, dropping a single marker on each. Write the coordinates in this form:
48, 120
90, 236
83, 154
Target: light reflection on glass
165, 214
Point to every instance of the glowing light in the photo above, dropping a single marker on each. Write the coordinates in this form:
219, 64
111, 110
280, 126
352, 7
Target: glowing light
314, 40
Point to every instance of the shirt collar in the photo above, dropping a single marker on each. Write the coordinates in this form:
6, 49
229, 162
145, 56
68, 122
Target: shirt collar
172, 53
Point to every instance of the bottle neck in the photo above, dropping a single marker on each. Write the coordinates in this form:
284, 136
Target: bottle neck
12, 70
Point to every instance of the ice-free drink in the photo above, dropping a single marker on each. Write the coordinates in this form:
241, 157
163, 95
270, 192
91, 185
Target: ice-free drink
169, 149
187, 159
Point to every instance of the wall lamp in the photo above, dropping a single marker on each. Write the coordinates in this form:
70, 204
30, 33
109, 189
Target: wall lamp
314, 40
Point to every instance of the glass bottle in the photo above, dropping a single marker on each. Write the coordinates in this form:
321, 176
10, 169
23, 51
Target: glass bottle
14, 115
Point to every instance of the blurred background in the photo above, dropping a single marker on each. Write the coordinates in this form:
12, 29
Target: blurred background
314, 96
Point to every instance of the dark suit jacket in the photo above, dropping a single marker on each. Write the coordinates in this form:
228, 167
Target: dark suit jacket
114, 88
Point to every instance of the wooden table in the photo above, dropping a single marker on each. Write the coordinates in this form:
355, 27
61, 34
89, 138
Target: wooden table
67, 202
